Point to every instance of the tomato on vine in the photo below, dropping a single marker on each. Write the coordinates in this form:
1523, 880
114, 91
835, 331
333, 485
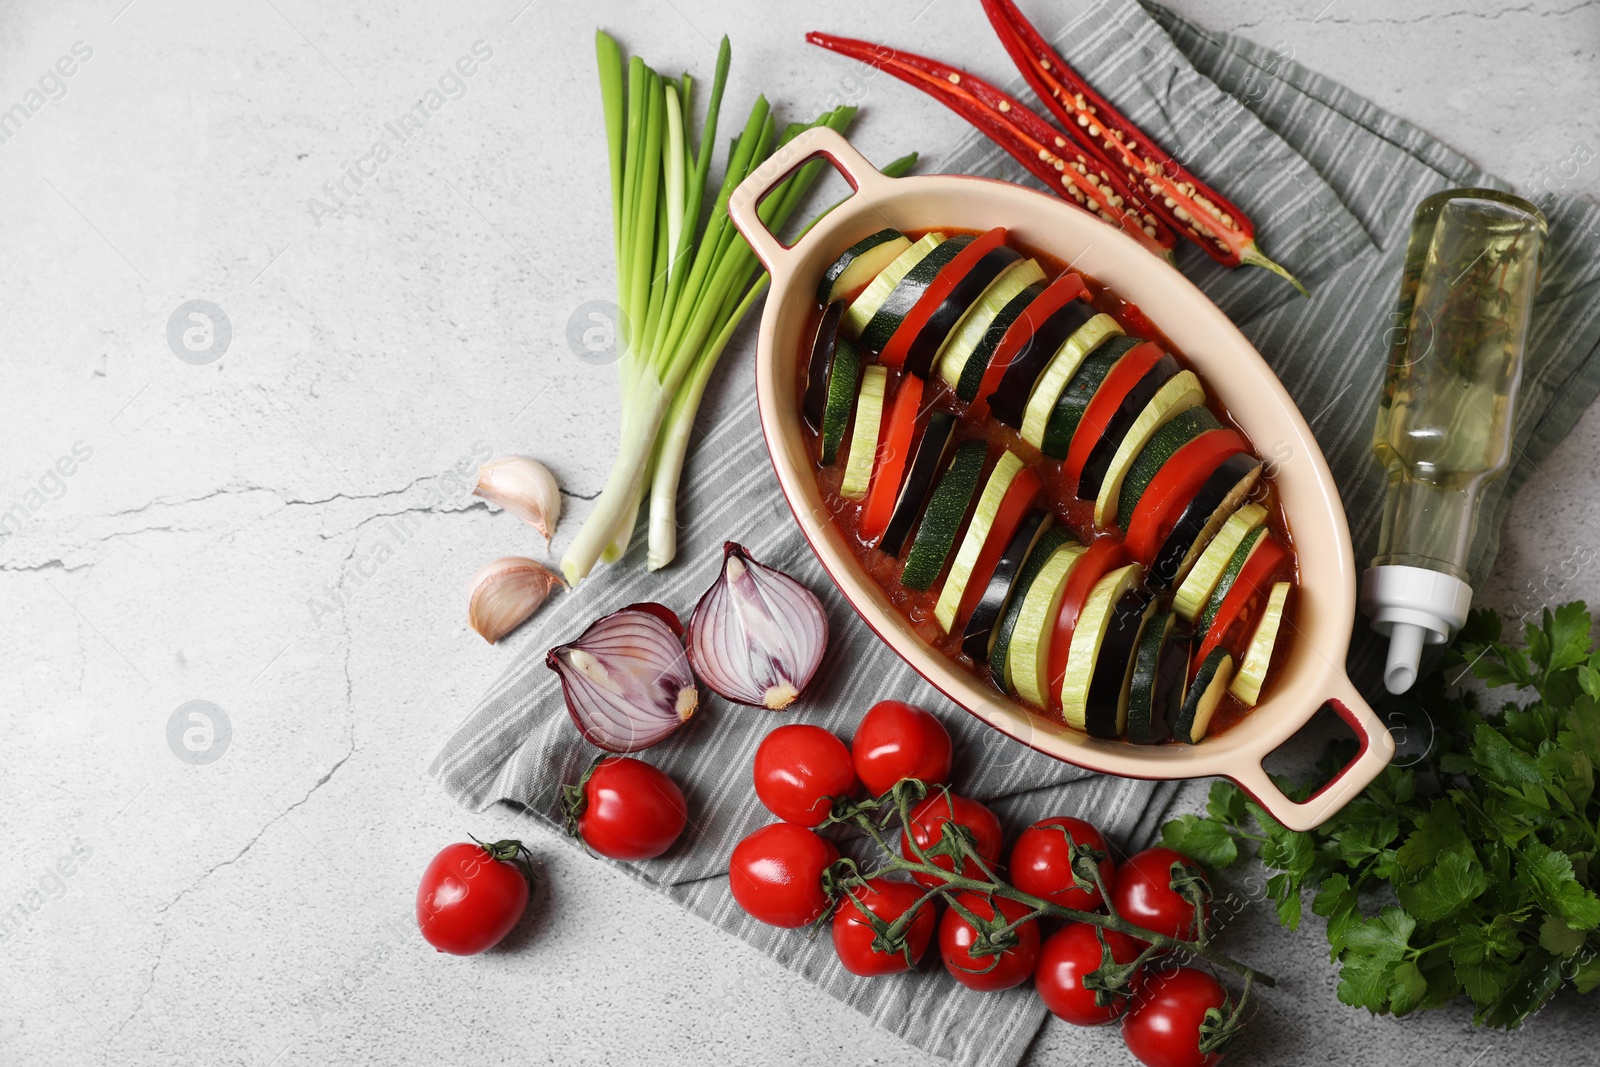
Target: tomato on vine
896, 741
987, 972
866, 912
776, 874
1143, 893
926, 828
1163, 1029
1066, 958
799, 770
1041, 862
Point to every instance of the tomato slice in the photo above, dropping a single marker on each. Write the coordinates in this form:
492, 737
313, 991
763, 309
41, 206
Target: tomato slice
1254, 583
1173, 486
899, 345
1057, 295
894, 449
1102, 556
1107, 399
1014, 506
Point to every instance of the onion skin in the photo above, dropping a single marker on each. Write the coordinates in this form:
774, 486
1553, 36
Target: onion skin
757, 636
625, 681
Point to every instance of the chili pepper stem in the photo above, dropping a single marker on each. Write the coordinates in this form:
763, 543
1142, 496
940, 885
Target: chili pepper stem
1251, 256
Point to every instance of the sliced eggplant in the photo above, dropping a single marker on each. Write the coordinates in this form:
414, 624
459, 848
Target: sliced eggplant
1099, 462
821, 359
1009, 401
1220, 496
978, 636
924, 348
1106, 709
924, 470
1094, 621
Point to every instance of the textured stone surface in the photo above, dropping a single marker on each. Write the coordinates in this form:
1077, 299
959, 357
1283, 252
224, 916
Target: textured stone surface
282, 532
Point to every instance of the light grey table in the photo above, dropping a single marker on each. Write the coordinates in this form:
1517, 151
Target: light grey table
284, 532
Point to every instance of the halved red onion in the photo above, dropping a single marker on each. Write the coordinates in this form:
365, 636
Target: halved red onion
757, 635
626, 680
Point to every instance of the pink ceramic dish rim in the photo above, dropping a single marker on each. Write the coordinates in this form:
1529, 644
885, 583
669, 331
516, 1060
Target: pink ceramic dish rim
1312, 674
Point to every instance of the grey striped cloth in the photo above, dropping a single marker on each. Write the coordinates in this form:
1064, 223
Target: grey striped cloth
1331, 181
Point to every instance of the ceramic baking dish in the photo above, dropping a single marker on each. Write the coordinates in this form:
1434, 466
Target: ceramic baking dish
1313, 672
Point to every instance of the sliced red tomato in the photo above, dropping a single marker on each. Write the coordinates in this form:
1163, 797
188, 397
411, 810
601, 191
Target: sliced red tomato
1102, 555
1014, 507
1057, 295
894, 449
1174, 485
895, 351
1268, 564
1123, 377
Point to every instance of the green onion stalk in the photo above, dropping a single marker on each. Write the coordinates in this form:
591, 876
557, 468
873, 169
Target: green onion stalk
682, 289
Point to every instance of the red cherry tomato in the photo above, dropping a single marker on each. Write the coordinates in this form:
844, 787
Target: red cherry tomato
927, 827
1163, 1028
776, 874
896, 741
626, 809
1143, 894
472, 895
1041, 862
1071, 953
987, 973
853, 933
798, 769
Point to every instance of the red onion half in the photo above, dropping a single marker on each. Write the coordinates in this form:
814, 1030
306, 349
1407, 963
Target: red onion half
626, 681
757, 635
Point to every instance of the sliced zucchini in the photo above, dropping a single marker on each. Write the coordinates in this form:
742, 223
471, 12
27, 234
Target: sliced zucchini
1098, 465
887, 319
1182, 393
936, 534
1200, 701
1087, 637
1220, 496
1062, 368
1241, 555
1027, 667
864, 438
963, 341
977, 363
1043, 549
925, 466
1163, 445
865, 306
978, 635
994, 491
1009, 401
922, 355
1155, 691
1258, 657
1196, 589
1080, 390
841, 395
1106, 709
860, 263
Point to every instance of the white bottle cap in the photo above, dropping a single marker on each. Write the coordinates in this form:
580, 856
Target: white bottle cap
1412, 606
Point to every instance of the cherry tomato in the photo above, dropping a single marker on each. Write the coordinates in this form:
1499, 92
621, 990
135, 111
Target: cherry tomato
1071, 953
1163, 1028
853, 934
626, 809
897, 741
927, 827
987, 973
799, 768
472, 895
1041, 862
1143, 893
776, 874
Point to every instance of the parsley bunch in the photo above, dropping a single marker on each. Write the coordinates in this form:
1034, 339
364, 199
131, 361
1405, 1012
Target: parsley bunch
1473, 870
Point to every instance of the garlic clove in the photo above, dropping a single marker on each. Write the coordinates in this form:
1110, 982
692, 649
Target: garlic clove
524, 487
506, 593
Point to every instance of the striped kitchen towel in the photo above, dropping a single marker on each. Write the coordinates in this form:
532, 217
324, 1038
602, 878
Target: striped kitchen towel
1331, 182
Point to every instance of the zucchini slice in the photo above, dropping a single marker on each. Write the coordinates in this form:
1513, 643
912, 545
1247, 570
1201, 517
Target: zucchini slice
816, 399
898, 304
1258, 657
1027, 668
860, 263
982, 628
1043, 549
1106, 709
1087, 637
994, 491
1164, 444
1218, 497
1200, 702
865, 306
1042, 403
925, 466
1009, 401
1155, 690
977, 363
1098, 465
1080, 390
1195, 592
1183, 392
962, 343
864, 438
841, 395
922, 355
1241, 555
937, 533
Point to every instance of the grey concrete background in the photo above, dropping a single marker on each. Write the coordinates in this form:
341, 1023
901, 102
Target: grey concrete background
285, 532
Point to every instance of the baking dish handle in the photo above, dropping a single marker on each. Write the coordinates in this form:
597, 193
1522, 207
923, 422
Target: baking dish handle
1377, 749
818, 142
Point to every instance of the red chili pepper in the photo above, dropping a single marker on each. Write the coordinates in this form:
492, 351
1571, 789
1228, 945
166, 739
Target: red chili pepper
1041, 148
895, 448
1250, 588
1103, 555
1188, 204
